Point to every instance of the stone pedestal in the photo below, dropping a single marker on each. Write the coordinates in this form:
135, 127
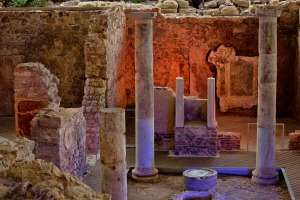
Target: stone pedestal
265, 172
113, 152
144, 96
211, 107
179, 115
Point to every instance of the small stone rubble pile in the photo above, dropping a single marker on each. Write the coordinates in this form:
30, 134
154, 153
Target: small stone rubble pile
15, 151
173, 6
22, 177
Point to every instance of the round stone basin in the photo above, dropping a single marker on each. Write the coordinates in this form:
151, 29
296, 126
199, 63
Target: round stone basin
200, 179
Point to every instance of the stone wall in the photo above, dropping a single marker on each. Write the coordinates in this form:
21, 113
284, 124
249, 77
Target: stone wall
195, 141
182, 45
105, 75
61, 139
229, 141
56, 37
34, 88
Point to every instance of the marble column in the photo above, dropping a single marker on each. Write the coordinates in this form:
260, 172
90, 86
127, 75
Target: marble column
179, 112
144, 97
211, 107
113, 152
265, 172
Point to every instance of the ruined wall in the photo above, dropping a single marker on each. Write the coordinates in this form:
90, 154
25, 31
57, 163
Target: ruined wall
60, 138
34, 88
105, 75
56, 37
182, 44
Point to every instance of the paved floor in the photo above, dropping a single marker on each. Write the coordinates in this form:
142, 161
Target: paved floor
290, 160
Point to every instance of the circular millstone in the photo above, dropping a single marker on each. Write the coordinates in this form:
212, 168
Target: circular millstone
200, 179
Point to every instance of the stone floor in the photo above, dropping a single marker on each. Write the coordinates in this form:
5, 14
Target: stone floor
289, 160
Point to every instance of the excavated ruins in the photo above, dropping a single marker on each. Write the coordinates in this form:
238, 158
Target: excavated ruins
73, 73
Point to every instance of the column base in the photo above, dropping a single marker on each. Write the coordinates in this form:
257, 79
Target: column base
145, 174
264, 179
145, 179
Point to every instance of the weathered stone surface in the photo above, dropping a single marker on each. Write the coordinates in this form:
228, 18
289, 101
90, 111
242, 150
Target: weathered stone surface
105, 84
18, 151
220, 2
164, 117
183, 4
237, 80
41, 180
195, 109
215, 11
70, 3
195, 141
89, 4
229, 141
113, 152
164, 110
168, 4
242, 3
144, 108
168, 10
210, 4
189, 10
61, 139
229, 11
294, 143
35, 88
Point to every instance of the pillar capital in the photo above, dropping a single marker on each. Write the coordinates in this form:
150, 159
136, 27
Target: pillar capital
268, 11
143, 15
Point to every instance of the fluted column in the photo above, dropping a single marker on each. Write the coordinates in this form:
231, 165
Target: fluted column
265, 172
144, 97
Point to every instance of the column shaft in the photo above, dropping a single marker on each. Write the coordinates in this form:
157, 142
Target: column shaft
179, 115
265, 172
113, 152
211, 107
144, 95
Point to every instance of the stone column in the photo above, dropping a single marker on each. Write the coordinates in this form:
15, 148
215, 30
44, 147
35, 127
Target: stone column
211, 107
113, 152
265, 172
144, 97
179, 113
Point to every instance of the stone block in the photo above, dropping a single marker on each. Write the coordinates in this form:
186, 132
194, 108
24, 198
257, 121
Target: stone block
210, 4
242, 3
183, 4
229, 11
61, 138
195, 141
212, 12
164, 110
166, 11
189, 10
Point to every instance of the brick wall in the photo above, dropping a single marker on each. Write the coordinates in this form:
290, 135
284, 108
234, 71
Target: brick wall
294, 143
105, 76
34, 88
229, 141
61, 139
